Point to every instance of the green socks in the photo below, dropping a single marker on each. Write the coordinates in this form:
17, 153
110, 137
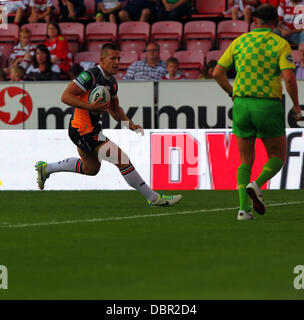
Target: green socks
243, 178
271, 168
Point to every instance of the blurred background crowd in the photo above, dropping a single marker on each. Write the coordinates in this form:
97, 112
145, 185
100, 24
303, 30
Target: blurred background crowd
158, 39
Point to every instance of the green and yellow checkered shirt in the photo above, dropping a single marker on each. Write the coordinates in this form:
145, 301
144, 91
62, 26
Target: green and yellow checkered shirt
259, 57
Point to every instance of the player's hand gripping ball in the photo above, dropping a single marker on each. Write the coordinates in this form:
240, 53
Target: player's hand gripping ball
100, 92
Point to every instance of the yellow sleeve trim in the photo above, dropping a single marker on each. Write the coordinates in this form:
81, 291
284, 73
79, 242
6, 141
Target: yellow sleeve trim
290, 68
229, 67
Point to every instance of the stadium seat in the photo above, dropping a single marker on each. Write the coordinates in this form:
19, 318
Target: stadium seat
295, 56
191, 73
209, 8
120, 74
8, 38
38, 30
168, 34
132, 46
133, 36
11, 34
199, 35
73, 32
98, 33
229, 30
190, 63
87, 56
165, 55
127, 58
214, 55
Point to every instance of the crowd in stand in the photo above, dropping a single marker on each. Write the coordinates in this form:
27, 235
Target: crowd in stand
52, 58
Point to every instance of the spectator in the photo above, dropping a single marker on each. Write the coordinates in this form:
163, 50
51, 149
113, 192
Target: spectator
208, 70
150, 68
71, 9
3, 57
87, 65
2, 75
42, 67
173, 72
58, 47
107, 10
16, 73
3, 61
300, 63
274, 3
173, 9
287, 15
41, 10
15, 7
75, 71
241, 8
138, 10
23, 51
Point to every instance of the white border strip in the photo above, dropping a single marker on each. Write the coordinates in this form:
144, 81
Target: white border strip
39, 224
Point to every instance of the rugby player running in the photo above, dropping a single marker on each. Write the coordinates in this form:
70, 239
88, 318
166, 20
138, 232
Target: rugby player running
86, 133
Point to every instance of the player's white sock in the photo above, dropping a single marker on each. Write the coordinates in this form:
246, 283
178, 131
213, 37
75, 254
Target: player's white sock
135, 181
66, 165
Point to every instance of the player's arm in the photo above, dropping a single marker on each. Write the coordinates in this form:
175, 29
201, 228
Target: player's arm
223, 65
71, 96
292, 89
119, 115
220, 75
287, 68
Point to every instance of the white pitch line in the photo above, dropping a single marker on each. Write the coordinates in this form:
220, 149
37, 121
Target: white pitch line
38, 224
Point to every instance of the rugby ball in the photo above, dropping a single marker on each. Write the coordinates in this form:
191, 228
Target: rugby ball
100, 92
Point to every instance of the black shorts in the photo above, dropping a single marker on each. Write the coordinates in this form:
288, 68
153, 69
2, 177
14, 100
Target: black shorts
107, 15
136, 7
87, 142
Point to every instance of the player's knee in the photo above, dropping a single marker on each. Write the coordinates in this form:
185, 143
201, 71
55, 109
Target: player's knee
91, 171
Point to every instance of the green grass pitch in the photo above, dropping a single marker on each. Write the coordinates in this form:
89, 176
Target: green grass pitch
111, 245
